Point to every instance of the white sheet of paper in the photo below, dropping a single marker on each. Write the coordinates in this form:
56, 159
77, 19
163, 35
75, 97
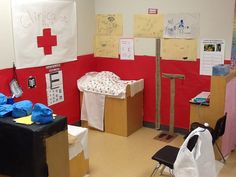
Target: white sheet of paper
211, 54
126, 48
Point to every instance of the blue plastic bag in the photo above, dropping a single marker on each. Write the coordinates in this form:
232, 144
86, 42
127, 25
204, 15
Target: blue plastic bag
41, 114
5, 110
22, 108
3, 99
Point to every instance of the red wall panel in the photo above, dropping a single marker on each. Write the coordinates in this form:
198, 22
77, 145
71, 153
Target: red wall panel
184, 89
141, 67
71, 72
144, 67
6, 76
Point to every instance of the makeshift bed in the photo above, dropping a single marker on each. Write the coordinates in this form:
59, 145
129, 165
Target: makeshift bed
110, 104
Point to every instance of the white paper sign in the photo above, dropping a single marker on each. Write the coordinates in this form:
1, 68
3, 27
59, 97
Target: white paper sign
126, 48
45, 32
55, 92
212, 53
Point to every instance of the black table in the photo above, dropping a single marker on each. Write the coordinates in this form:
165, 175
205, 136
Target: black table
22, 147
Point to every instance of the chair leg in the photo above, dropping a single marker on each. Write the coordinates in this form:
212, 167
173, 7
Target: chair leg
220, 152
155, 170
162, 169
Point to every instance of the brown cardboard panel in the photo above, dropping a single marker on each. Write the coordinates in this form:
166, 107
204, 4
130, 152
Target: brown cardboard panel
122, 116
79, 166
57, 155
135, 112
116, 116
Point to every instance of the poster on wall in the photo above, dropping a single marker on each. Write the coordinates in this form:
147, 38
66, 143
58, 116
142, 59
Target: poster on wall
109, 24
148, 26
211, 54
55, 92
44, 31
184, 25
106, 46
233, 51
179, 49
126, 48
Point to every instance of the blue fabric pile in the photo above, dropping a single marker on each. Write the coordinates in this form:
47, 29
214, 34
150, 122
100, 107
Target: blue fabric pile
41, 114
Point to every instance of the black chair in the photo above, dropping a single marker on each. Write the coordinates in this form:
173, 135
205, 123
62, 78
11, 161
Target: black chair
167, 155
216, 133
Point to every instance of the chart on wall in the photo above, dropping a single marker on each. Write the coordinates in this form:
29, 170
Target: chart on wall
179, 49
148, 26
109, 24
45, 32
106, 46
126, 48
55, 92
184, 25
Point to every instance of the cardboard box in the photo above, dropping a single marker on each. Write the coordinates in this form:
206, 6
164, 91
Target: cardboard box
78, 151
38, 146
57, 155
122, 116
79, 166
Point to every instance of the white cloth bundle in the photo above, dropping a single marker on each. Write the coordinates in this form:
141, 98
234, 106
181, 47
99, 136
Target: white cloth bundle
80, 143
200, 162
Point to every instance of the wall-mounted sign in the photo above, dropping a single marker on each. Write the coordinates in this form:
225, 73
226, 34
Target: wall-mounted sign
55, 93
152, 11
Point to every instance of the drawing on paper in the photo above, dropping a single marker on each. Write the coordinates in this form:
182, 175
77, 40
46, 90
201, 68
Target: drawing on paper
181, 26
148, 26
106, 46
179, 49
109, 24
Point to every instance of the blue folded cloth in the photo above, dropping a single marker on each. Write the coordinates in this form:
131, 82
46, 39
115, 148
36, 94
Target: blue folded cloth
5, 110
42, 114
22, 108
3, 99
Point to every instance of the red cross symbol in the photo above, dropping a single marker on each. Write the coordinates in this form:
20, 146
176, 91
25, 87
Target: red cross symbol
47, 41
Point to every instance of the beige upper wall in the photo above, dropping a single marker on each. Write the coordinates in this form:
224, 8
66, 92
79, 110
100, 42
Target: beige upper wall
6, 39
86, 28
216, 22
216, 18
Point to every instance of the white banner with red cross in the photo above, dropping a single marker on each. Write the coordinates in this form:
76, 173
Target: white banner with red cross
45, 32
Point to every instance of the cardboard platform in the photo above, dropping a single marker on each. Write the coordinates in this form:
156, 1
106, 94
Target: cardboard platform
122, 116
